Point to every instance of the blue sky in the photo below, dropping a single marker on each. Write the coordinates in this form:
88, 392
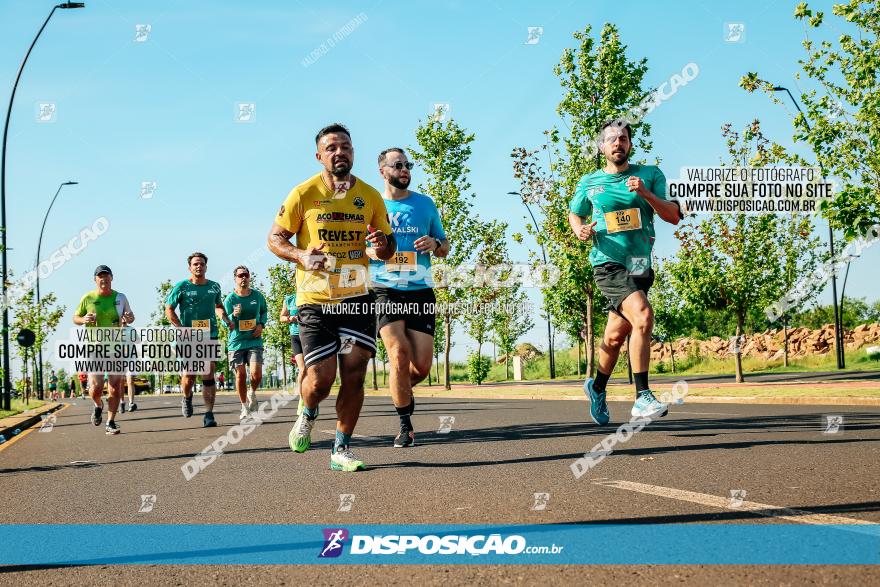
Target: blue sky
163, 110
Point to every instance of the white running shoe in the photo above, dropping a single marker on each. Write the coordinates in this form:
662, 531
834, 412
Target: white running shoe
252, 400
245, 413
344, 460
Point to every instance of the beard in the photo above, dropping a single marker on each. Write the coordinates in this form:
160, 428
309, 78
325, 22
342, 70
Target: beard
618, 157
399, 182
341, 169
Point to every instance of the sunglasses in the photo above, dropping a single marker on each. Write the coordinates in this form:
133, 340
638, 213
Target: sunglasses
243, 275
398, 165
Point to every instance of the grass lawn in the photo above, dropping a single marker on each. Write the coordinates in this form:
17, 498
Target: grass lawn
19, 406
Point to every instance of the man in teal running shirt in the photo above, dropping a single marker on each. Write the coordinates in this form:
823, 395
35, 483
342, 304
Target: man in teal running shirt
200, 307
615, 207
249, 313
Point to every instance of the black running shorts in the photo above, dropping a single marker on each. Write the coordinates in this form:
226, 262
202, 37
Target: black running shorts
327, 329
295, 345
616, 283
416, 308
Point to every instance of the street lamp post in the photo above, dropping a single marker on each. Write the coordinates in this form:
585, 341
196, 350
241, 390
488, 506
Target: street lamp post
838, 320
7, 385
39, 309
544, 255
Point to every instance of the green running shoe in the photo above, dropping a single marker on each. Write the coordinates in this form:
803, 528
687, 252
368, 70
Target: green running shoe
300, 437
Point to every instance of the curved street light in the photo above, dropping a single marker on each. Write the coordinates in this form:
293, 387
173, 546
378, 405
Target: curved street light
544, 255
39, 373
7, 384
838, 319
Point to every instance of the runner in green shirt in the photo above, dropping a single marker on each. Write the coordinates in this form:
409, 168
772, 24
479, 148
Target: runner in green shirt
249, 316
615, 207
104, 308
200, 305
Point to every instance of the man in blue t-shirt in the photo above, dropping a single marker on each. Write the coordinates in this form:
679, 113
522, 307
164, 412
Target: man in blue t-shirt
404, 299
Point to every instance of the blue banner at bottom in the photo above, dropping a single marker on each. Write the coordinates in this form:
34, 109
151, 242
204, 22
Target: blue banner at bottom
581, 544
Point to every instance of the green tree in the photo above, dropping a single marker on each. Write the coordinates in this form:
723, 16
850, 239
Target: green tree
42, 320
599, 83
382, 355
737, 263
669, 307
158, 318
282, 283
798, 257
478, 367
443, 151
491, 262
856, 311
841, 124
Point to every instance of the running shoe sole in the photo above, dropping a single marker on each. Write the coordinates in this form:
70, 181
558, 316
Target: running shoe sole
349, 468
641, 414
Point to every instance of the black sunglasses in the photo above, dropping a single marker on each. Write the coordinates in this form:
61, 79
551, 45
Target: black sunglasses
398, 165
240, 275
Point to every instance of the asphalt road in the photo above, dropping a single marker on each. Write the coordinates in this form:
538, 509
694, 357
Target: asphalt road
487, 469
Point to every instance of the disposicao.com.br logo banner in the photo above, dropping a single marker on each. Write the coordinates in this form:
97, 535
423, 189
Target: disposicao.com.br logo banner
440, 544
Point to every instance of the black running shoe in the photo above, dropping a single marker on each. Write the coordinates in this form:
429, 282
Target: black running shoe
133, 407
112, 428
122, 407
404, 438
208, 421
96, 416
186, 406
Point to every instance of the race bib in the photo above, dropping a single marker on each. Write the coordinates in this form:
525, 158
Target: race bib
347, 284
622, 220
402, 261
245, 325
201, 323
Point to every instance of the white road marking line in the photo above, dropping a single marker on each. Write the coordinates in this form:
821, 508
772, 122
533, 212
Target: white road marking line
773, 511
706, 413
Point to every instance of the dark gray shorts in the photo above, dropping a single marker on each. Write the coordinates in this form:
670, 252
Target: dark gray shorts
616, 283
246, 357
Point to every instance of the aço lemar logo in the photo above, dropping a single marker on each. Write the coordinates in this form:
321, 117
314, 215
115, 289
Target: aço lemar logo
455, 544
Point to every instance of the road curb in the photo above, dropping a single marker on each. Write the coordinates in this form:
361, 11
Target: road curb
25, 420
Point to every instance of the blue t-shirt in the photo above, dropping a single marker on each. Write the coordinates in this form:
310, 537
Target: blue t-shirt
290, 302
411, 218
